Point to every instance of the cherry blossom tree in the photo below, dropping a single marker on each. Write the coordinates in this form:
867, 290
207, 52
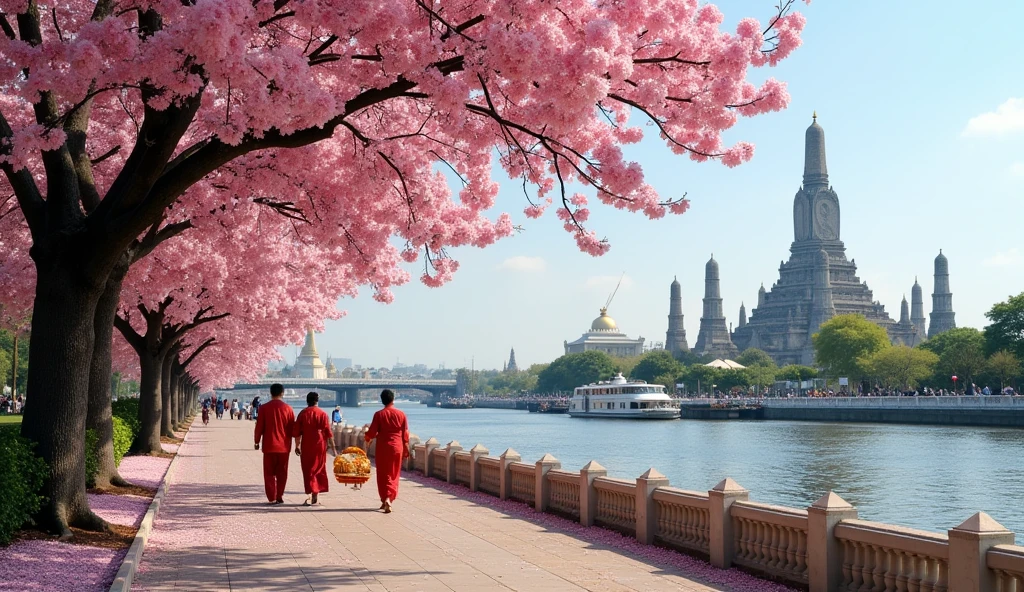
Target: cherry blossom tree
113, 112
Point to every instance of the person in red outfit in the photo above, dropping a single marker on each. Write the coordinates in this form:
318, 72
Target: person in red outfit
274, 426
391, 430
312, 433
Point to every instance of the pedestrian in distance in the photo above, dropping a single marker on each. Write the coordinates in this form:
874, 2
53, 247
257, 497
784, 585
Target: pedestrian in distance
313, 436
336, 417
274, 427
390, 428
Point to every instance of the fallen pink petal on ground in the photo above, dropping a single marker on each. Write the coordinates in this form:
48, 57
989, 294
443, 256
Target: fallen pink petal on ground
45, 566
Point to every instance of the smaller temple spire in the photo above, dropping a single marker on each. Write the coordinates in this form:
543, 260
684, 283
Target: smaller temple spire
512, 366
743, 315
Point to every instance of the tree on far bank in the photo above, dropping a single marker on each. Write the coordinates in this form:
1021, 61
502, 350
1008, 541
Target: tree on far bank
700, 378
573, 370
753, 356
844, 343
655, 364
796, 372
901, 366
961, 354
1005, 366
1007, 329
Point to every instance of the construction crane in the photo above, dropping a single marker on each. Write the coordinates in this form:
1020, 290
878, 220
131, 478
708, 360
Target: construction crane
609, 302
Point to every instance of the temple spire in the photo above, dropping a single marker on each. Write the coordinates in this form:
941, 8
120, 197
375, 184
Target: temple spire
815, 169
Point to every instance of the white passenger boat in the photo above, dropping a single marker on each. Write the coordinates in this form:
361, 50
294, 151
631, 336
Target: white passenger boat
619, 398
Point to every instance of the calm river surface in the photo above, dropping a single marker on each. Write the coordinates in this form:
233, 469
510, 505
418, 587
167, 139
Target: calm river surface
928, 477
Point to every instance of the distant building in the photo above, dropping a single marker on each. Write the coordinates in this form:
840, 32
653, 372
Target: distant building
818, 282
675, 337
308, 364
942, 299
604, 336
511, 365
713, 339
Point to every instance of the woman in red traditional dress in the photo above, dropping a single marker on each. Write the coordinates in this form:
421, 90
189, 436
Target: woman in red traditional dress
391, 430
312, 434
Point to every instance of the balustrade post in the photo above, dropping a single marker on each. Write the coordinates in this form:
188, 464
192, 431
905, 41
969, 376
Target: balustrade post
475, 454
588, 495
542, 487
505, 485
646, 511
347, 436
428, 457
337, 433
968, 547
824, 554
410, 463
453, 447
721, 532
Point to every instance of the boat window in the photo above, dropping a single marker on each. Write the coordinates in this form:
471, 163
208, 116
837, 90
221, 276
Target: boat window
643, 405
622, 405
634, 405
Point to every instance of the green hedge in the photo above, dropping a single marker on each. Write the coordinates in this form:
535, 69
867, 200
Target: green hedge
123, 438
128, 410
92, 459
21, 476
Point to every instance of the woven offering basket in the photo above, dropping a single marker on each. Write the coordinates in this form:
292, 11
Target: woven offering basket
352, 467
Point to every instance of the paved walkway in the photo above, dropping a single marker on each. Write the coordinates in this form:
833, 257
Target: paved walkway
216, 533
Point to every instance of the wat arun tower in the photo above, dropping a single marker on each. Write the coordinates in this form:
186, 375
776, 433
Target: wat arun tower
818, 282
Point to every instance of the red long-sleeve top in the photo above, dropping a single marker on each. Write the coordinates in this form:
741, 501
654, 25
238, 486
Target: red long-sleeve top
274, 425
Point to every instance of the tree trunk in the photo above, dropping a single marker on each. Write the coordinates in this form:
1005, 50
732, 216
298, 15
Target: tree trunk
166, 429
14, 370
99, 416
175, 398
150, 404
60, 355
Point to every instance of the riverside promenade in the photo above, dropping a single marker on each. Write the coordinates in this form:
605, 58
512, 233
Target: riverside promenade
216, 532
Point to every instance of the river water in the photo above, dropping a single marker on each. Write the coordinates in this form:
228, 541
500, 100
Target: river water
928, 477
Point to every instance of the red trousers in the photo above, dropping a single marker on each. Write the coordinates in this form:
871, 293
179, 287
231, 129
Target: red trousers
314, 469
275, 474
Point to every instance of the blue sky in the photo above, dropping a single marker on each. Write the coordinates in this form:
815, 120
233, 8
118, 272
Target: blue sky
925, 150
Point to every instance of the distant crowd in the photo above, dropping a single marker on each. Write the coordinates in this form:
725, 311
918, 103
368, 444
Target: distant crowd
10, 405
970, 391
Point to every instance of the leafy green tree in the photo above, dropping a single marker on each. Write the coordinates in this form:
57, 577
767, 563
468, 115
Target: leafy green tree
961, 354
573, 370
796, 372
699, 378
761, 375
902, 366
755, 357
1007, 329
689, 358
626, 364
733, 377
536, 369
668, 380
655, 364
844, 343
1004, 365
5, 367
7, 345
513, 382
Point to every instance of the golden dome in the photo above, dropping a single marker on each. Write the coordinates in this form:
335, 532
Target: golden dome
604, 322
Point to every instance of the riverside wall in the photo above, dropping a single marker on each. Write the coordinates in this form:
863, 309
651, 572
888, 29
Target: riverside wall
825, 547
989, 411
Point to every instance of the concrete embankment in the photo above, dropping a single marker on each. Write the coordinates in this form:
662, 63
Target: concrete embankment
990, 411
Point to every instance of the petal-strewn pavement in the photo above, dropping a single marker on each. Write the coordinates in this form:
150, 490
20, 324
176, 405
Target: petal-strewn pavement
215, 532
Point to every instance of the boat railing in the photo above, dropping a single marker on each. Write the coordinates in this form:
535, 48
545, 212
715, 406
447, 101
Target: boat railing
823, 547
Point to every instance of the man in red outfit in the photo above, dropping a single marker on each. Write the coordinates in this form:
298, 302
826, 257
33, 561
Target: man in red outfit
312, 433
274, 426
391, 429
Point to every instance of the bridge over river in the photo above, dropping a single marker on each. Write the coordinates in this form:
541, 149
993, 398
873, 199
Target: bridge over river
347, 389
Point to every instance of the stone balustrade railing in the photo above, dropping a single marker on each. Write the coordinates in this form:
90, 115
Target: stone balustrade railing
1007, 561
823, 548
